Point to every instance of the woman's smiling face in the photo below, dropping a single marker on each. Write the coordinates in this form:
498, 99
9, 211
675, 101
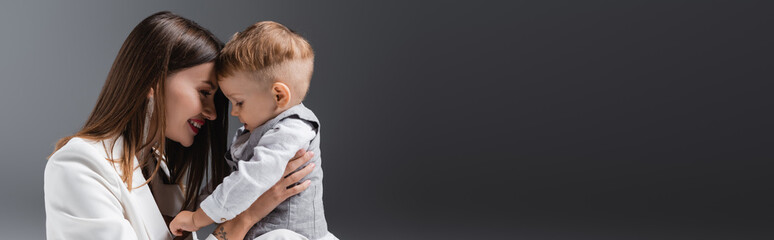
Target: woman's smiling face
189, 101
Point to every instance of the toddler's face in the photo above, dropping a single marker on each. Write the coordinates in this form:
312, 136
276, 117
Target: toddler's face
252, 103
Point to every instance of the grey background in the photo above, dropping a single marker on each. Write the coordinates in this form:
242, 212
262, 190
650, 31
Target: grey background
458, 120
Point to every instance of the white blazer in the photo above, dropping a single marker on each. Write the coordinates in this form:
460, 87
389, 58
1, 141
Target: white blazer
86, 199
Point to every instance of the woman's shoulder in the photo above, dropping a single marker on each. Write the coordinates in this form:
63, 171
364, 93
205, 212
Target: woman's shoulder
77, 150
80, 156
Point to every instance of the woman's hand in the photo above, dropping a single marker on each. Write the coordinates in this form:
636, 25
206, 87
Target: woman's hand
286, 187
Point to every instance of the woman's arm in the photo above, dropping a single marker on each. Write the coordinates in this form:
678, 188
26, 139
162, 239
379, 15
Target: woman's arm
287, 186
81, 199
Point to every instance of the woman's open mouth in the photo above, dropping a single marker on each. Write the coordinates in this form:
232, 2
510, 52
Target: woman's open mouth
195, 125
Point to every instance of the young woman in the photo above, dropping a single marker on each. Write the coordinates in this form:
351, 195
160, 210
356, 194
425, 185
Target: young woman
150, 135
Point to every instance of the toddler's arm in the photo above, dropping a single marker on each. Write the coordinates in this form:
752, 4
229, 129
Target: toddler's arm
240, 189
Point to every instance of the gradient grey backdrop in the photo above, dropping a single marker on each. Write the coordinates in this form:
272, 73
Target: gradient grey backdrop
460, 120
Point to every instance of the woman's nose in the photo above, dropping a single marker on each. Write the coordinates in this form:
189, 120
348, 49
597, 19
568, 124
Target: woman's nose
209, 110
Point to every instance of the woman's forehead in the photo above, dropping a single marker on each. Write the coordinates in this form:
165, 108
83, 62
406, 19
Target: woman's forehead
203, 73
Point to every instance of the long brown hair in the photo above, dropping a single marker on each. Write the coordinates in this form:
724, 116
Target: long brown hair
157, 47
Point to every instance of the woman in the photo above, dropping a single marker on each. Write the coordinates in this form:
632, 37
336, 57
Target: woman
150, 134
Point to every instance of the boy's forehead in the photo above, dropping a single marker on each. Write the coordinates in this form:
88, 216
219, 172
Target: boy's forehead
229, 86
238, 76
237, 88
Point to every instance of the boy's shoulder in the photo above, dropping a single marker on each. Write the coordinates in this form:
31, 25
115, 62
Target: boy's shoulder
291, 125
297, 124
299, 111
297, 117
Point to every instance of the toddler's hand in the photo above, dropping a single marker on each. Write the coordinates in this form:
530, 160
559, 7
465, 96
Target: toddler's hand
182, 222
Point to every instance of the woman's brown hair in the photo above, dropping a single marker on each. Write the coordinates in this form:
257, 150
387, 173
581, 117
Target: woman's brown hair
157, 47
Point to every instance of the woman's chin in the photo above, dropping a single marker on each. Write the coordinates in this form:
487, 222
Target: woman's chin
187, 142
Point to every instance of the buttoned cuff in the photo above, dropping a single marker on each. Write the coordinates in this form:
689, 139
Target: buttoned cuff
215, 210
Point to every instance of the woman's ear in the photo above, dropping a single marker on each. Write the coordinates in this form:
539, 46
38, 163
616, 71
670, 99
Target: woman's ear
150, 93
281, 94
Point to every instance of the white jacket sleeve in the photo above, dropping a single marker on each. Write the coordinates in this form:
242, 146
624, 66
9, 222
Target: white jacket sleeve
81, 199
255, 176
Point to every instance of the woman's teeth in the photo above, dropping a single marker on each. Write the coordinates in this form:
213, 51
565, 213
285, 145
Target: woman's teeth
195, 124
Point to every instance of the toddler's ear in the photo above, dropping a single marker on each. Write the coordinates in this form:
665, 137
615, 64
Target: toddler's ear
281, 94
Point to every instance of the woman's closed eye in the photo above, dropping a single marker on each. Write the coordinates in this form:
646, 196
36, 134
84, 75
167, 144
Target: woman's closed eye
239, 104
205, 93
